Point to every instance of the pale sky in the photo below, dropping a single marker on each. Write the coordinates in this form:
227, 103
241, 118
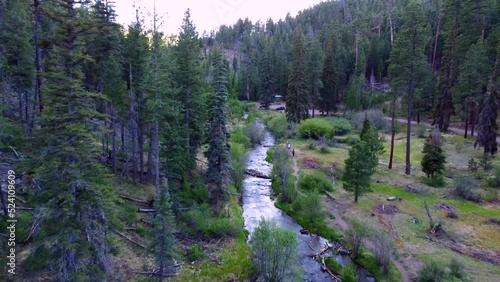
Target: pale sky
209, 14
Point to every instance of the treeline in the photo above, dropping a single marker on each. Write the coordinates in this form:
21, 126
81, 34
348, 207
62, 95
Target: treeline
356, 49
87, 103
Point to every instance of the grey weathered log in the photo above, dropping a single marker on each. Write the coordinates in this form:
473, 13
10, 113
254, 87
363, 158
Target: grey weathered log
255, 173
130, 239
146, 210
134, 200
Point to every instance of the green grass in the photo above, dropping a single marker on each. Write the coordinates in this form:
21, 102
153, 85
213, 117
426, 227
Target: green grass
367, 260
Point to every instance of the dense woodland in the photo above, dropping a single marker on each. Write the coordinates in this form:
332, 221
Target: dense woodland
89, 107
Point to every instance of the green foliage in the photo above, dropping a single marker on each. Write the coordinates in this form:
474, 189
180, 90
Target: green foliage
239, 136
383, 246
377, 117
456, 268
195, 253
370, 136
312, 208
274, 252
38, 260
282, 174
254, 132
467, 188
324, 149
435, 181
485, 162
355, 235
473, 165
297, 100
278, 125
238, 158
316, 181
332, 264
315, 128
11, 134
341, 126
330, 78
432, 272
358, 170
202, 222
495, 180
349, 274
433, 160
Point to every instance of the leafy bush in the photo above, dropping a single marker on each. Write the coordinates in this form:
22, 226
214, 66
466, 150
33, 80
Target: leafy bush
235, 108
433, 160
324, 149
383, 246
239, 136
435, 181
341, 126
202, 222
238, 158
274, 252
254, 132
195, 253
466, 187
11, 134
495, 180
432, 272
456, 268
332, 264
315, 128
376, 116
313, 208
473, 165
316, 181
349, 140
354, 236
278, 125
490, 196
421, 130
349, 274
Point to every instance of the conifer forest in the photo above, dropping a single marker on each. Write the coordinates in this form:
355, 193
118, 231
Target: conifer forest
354, 141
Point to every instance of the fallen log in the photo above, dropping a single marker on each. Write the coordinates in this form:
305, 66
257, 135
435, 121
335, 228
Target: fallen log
321, 252
258, 174
330, 195
130, 239
304, 231
134, 200
325, 269
146, 210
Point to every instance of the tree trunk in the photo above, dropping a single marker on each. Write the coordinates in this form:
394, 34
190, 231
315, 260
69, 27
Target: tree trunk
408, 131
38, 54
393, 134
113, 139
466, 126
472, 118
248, 87
356, 196
436, 40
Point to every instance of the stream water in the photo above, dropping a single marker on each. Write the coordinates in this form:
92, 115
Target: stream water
257, 204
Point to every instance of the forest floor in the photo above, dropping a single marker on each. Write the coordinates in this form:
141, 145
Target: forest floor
470, 237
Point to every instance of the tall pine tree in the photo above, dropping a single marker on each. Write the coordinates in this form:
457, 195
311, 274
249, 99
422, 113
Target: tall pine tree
297, 99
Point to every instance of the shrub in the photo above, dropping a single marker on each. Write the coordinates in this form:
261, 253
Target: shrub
466, 187
421, 130
315, 128
456, 268
254, 132
435, 181
238, 158
433, 160
376, 116
313, 208
282, 173
452, 214
278, 125
239, 136
485, 162
383, 246
495, 180
195, 253
332, 264
11, 134
324, 149
341, 126
490, 196
274, 252
349, 274
432, 272
354, 236
349, 139
316, 181
202, 222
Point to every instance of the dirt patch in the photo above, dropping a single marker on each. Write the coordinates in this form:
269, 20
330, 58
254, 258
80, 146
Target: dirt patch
309, 163
493, 221
386, 209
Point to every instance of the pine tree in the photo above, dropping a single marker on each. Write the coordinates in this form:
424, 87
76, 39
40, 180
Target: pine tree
15, 36
370, 135
433, 160
73, 191
472, 81
218, 150
405, 70
358, 170
187, 77
329, 77
267, 75
488, 128
297, 99
314, 56
163, 241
